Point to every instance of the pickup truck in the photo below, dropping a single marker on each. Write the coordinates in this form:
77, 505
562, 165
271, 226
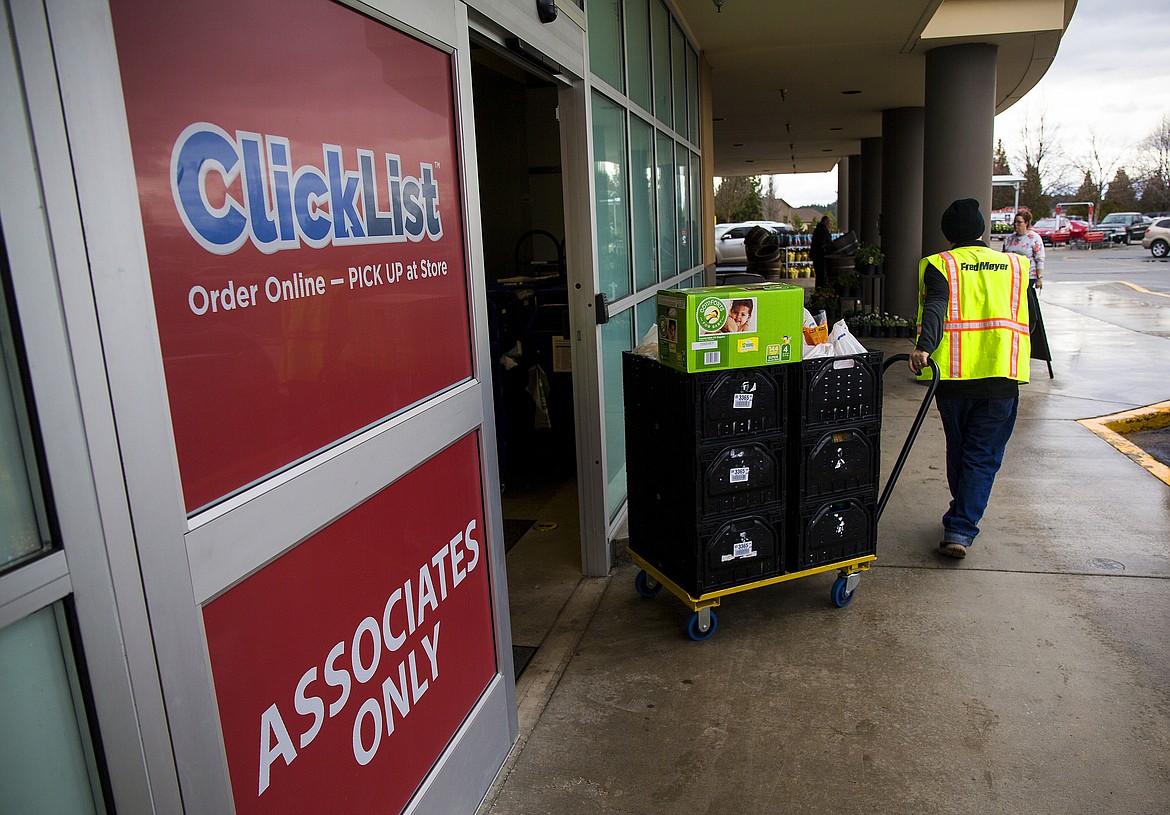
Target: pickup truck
1124, 227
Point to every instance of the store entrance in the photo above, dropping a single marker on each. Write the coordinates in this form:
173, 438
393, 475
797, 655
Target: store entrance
523, 219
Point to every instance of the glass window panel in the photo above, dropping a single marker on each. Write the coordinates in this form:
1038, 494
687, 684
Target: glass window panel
43, 764
667, 226
683, 207
21, 532
616, 337
605, 40
692, 95
609, 156
645, 230
638, 54
678, 57
660, 43
647, 316
696, 213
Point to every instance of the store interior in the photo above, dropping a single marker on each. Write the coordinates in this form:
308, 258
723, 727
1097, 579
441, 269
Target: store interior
522, 215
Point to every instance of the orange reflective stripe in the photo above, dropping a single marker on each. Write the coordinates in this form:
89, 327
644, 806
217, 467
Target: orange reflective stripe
984, 325
1017, 274
952, 282
956, 340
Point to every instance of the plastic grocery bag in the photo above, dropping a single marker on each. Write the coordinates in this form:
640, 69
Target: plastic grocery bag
825, 349
648, 347
843, 342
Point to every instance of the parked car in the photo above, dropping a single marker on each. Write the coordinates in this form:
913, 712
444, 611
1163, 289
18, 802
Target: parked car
1124, 227
1157, 238
729, 239
1053, 231
1154, 216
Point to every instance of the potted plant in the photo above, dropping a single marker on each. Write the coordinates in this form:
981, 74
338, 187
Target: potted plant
869, 257
850, 285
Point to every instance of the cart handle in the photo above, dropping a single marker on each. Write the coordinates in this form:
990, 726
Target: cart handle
931, 388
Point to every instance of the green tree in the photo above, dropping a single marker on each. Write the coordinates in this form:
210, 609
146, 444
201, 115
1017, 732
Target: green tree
1001, 196
739, 198
1121, 195
1032, 193
1089, 190
1154, 164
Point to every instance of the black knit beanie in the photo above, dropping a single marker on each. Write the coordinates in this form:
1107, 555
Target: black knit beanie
963, 222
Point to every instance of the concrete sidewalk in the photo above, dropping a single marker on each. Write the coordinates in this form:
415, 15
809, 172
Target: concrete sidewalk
1034, 676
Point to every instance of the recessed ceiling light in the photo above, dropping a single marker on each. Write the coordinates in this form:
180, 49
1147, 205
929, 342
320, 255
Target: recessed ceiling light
849, 93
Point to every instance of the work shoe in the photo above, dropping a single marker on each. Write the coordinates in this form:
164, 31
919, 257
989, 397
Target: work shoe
955, 550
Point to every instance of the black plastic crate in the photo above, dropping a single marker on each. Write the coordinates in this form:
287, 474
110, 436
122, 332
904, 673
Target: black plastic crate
665, 476
837, 462
834, 531
708, 405
741, 476
718, 555
839, 390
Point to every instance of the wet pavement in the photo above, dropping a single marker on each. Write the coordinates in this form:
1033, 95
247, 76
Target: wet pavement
1033, 676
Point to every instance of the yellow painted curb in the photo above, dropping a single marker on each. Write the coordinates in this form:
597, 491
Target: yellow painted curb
1111, 428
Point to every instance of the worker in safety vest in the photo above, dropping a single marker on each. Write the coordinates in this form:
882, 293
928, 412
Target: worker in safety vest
973, 321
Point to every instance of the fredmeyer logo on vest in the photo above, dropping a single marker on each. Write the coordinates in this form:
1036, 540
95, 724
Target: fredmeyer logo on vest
983, 266
285, 208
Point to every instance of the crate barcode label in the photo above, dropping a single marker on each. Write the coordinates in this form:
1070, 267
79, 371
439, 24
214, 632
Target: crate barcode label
711, 358
742, 400
739, 475
739, 550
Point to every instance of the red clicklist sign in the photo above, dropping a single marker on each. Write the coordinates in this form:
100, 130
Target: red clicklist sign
298, 178
343, 668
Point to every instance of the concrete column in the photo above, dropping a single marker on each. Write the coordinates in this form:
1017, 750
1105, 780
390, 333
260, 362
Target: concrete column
902, 134
958, 139
855, 193
843, 224
871, 190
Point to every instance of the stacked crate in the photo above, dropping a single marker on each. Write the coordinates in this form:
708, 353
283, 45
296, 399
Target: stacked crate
707, 471
836, 435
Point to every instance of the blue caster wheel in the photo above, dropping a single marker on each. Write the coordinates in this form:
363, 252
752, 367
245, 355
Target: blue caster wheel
695, 626
646, 585
841, 594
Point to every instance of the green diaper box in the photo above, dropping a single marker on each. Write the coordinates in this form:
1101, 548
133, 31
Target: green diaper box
706, 329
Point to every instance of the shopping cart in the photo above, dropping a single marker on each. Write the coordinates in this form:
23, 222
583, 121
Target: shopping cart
702, 621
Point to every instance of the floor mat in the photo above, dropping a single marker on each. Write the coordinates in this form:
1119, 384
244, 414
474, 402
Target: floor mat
514, 530
521, 656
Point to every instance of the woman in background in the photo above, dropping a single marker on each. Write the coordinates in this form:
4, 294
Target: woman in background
1027, 243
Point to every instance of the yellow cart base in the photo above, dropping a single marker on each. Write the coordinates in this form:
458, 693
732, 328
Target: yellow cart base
702, 622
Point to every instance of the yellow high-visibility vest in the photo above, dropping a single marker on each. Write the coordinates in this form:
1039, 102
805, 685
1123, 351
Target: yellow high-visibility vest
985, 327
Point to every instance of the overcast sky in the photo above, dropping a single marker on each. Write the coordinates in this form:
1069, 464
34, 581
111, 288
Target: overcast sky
1111, 77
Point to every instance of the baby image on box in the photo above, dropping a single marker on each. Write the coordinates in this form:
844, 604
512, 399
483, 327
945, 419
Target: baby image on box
718, 316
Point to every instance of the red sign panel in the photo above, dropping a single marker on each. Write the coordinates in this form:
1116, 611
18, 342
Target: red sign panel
298, 179
343, 668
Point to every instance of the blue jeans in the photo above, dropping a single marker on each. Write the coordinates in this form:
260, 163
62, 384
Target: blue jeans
977, 433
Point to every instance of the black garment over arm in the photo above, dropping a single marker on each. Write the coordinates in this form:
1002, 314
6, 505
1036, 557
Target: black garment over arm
934, 308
